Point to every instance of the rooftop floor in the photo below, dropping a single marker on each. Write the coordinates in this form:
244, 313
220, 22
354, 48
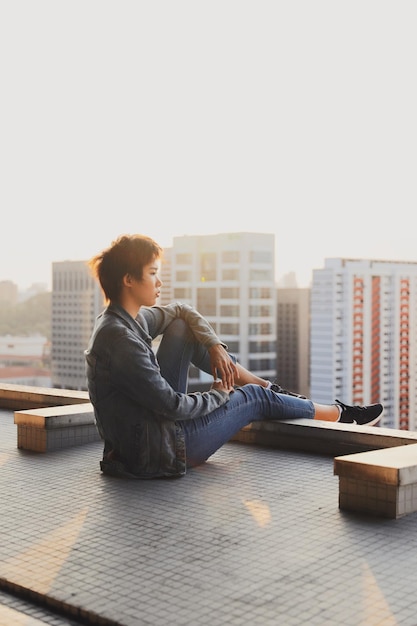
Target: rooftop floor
255, 536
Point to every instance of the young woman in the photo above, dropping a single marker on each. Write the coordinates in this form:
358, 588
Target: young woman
150, 425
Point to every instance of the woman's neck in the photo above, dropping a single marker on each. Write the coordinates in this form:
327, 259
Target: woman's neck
130, 307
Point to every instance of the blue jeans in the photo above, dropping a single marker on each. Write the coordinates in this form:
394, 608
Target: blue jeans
249, 403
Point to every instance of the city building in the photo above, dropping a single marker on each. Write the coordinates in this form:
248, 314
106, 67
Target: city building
229, 278
25, 360
76, 302
166, 276
293, 339
364, 336
9, 292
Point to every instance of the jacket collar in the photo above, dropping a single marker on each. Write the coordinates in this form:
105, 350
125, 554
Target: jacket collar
119, 311
116, 309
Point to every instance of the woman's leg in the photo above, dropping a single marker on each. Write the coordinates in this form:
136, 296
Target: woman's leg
205, 435
245, 377
178, 349
249, 403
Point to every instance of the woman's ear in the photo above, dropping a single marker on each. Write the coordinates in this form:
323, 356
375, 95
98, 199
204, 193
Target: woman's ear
127, 280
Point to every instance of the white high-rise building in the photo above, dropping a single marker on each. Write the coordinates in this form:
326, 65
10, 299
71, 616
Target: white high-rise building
166, 277
76, 301
230, 279
364, 336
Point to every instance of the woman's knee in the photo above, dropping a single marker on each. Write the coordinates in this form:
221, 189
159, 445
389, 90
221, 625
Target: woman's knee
177, 328
176, 334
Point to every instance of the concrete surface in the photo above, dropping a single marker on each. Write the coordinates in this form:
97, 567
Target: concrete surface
253, 537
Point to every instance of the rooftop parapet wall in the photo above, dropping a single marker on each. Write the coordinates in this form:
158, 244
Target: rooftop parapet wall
327, 438
18, 397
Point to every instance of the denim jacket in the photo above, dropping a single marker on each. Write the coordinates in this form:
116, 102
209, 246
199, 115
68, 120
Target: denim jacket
137, 412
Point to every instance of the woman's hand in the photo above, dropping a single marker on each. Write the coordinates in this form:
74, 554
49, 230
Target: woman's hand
222, 366
220, 386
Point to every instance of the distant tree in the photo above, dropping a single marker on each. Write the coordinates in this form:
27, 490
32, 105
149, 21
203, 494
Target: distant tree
33, 316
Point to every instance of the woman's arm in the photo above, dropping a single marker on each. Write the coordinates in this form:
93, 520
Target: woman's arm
158, 318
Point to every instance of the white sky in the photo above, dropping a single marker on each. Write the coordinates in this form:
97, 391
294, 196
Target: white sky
182, 117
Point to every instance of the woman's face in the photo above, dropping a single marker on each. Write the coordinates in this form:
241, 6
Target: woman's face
146, 291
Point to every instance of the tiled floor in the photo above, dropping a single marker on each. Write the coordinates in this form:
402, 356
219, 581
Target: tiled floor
254, 537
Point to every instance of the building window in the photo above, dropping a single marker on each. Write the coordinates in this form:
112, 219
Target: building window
183, 259
232, 293
230, 274
261, 256
261, 364
231, 256
260, 329
229, 329
229, 310
183, 276
260, 293
260, 310
206, 301
208, 266
257, 275
182, 292
259, 347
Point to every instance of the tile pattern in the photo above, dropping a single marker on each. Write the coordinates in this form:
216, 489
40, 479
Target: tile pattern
255, 536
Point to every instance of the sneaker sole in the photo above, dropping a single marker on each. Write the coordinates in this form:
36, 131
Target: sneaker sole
371, 423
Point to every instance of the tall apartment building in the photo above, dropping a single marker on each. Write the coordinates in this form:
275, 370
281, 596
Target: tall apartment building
364, 336
229, 278
76, 301
293, 339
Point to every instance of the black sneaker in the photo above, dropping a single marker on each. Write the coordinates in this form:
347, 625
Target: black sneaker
279, 389
361, 415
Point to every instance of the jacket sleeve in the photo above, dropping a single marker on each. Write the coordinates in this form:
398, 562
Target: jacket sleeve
134, 372
158, 318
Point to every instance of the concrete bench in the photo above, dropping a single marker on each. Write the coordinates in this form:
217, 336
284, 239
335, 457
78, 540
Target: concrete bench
379, 482
14, 396
327, 438
55, 427
48, 418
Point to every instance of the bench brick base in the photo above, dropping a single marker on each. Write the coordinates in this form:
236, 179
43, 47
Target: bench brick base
379, 482
42, 440
54, 428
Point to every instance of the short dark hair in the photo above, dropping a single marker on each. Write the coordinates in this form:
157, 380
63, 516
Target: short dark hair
128, 254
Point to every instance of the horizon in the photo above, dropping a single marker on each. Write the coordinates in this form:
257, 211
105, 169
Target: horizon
279, 278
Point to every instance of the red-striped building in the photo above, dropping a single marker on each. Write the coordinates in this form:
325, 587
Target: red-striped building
363, 336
